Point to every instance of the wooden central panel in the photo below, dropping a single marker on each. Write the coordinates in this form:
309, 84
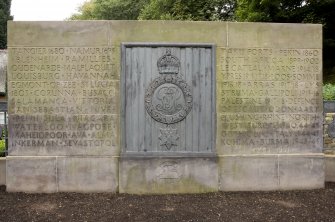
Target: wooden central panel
168, 103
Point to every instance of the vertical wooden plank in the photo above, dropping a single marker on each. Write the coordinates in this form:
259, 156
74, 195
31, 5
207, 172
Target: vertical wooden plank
202, 131
140, 98
155, 126
176, 52
160, 52
209, 99
206, 101
123, 98
148, 119
182, 134
212, 80
197, 98
128, 102
189, 117
134, 106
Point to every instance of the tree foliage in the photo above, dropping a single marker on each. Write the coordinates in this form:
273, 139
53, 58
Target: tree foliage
269, 10
156, 10
294, 11
4, 17
328, 91
110, 10
196, 10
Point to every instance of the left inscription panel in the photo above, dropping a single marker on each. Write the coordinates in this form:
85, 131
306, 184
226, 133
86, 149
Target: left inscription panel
63, 100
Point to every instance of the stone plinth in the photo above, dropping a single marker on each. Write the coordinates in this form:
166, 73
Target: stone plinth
168, 175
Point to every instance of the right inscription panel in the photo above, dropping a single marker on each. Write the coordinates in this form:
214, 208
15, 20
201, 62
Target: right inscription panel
269, 100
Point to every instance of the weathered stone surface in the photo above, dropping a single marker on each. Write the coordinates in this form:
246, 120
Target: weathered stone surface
168, 31
74, 94
269, 101
330, 168
274, 35
31, 174
45, 135
60, 34
168, 175
301, 172
255, 172
269, 92
271, 172
87, 174
2, 171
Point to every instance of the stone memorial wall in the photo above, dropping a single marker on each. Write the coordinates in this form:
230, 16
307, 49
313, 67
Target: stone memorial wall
164, 106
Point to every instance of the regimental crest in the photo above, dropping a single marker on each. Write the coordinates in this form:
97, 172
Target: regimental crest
168, 98
168, 137
168, 64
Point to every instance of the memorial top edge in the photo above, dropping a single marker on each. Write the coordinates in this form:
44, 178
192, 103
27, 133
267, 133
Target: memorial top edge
166, 44
106, 33
160, 21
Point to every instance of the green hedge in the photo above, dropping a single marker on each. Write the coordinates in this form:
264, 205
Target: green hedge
2, 148
328, 91
3, 144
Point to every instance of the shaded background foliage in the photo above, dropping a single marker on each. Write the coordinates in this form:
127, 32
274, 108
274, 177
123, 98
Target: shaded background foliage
110, 10
4, 17
196, 10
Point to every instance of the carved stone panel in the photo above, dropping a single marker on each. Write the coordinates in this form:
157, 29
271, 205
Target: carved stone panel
168, 102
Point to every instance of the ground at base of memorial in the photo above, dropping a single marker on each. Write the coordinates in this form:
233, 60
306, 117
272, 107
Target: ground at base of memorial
309, 205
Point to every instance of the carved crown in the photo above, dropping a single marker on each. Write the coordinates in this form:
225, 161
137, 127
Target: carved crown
168, 64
